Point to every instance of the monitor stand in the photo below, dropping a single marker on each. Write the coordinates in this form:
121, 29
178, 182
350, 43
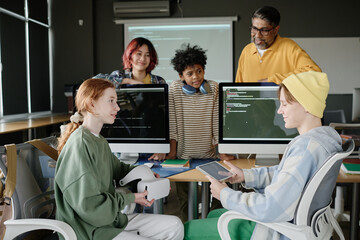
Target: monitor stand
267, 160
129, 158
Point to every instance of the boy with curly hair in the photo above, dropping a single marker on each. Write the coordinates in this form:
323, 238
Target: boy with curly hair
193, 109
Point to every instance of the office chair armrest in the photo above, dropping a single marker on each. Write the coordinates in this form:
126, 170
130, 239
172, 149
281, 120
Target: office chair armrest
290, 230
19, 226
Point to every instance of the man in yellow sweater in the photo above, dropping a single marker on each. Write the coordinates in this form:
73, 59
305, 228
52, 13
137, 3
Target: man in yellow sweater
269, 57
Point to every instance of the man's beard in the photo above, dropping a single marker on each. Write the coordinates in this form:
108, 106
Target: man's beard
263, 45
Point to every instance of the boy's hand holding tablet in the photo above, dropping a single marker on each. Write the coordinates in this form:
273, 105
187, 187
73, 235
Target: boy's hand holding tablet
215, 170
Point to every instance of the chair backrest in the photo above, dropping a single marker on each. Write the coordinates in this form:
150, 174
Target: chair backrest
351, 130
34, 179
318, 191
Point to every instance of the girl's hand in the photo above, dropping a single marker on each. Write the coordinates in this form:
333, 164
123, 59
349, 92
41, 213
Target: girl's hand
140, 199
157, 156
131, 81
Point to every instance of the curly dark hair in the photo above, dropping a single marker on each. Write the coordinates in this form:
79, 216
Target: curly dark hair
188, 56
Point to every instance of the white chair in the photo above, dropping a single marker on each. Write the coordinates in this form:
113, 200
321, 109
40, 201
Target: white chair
339, 212
313, 217
33, 204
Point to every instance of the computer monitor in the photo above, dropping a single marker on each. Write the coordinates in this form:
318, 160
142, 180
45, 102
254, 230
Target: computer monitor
356, 105
142, 124
249, 123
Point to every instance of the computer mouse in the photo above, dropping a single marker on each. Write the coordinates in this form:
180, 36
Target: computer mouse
149, 164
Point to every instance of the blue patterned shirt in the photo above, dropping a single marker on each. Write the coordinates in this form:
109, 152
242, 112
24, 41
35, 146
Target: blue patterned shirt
278, 189
116, 77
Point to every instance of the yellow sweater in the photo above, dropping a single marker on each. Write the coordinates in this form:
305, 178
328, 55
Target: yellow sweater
283, 58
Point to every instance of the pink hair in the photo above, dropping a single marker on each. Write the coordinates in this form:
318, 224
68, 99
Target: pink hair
133, 46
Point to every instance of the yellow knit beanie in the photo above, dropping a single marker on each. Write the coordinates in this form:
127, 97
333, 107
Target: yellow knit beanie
310, 89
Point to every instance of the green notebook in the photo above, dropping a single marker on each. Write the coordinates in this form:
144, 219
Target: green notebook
176, 163
351, 166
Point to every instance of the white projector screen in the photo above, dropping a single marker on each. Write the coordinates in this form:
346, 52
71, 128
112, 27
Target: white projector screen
167, 35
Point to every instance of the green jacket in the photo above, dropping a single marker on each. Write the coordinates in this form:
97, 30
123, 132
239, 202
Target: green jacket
84, 188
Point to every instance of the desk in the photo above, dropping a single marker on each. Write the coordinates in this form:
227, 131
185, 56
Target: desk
355, 205
32, 123
193, 176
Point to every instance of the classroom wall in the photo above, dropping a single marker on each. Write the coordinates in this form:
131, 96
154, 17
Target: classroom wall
338, 57
73, 54
97, 46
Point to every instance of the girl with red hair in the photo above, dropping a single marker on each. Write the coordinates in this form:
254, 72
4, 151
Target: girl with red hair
139, 59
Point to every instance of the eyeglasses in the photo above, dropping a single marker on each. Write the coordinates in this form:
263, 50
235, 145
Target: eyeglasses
263, 32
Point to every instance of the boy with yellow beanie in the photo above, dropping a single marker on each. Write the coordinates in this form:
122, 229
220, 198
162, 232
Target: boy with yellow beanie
310, 89
278, 188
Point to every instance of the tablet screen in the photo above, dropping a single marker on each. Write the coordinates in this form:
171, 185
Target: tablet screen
215, 170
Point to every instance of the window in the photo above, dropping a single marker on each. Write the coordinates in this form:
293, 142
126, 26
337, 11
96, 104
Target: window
25, 76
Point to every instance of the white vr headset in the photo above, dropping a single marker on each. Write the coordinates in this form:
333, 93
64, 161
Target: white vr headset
157, 187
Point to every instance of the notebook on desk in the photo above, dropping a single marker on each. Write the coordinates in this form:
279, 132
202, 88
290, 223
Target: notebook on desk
351, 165
167, 172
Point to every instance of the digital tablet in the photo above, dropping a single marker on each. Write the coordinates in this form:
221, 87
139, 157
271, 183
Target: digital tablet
215, 170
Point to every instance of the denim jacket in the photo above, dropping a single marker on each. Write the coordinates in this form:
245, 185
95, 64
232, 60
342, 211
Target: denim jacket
116, 77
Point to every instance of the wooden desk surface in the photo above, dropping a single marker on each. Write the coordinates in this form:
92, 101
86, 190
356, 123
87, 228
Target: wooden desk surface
14, 126
195, 175
348, 178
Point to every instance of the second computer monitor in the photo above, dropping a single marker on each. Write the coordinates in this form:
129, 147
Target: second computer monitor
249, 123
